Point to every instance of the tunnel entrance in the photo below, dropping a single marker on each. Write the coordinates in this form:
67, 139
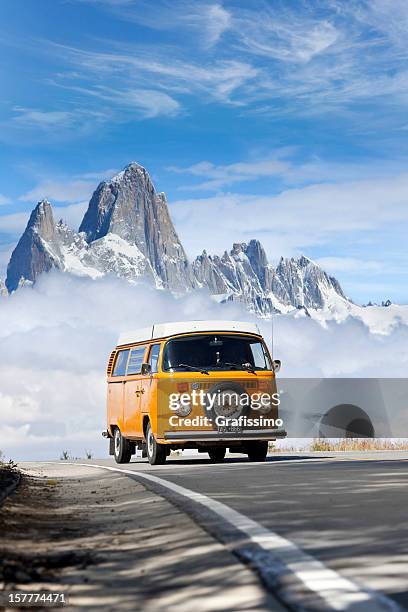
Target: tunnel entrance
346, 421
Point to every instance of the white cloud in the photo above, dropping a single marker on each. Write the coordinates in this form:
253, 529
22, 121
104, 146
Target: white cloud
280, 166
285, 34
13, 223
217, 20
56, 339
72, 214
389, 17
219, 176
148, 102
66, 188
295, 219
42, 119
28, 125
273, 59
143, 66
349, 264
59, 191
5, 254
207, 21
16, 222
4, 200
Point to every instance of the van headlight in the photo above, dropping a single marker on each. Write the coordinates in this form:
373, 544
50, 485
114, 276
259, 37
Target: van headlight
183, 410
264, 409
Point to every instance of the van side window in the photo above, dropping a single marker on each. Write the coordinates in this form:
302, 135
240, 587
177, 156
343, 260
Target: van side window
136, 360
120, 363
154, 356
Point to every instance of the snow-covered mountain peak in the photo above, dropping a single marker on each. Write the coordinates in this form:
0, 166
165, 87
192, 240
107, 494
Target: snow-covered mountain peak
127, 231
128, 174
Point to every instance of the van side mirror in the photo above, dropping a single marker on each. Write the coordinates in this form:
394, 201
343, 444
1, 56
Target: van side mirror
146, 368
276, 365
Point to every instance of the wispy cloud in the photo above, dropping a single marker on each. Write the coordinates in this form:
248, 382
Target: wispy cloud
334, 265
27, 125
206, 21
270, 58
284, 167
136, 66
5, 254
326, 52
220, 176
301, 219
138, 103
59, 191
4, 200
13, 225
66, 188
282, 32
42, 119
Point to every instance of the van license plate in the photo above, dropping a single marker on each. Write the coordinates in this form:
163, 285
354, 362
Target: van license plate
229, 429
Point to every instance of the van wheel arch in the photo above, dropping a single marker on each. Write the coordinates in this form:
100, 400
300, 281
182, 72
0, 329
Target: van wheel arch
146, 422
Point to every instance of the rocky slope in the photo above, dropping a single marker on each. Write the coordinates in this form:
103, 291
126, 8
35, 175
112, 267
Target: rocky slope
129, 207
244, 274
3, 289
37, 250
127, 231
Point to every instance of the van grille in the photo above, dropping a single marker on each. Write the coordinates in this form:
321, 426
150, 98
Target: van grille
110, 363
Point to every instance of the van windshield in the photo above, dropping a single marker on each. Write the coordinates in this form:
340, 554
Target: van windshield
215, 352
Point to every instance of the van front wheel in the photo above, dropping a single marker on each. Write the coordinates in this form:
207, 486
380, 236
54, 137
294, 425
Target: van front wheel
217, 454
257, 450
156, 453
121, 448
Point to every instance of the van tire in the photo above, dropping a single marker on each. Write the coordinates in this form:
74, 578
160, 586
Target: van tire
156, 453
217, 454
121, 448
257, 450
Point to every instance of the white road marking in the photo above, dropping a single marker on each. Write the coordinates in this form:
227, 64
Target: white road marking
338, 592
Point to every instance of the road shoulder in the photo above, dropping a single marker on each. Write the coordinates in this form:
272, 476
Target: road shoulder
112, 544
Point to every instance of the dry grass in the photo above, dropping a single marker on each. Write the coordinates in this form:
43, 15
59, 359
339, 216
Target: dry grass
8, 464
343, 444
358, 444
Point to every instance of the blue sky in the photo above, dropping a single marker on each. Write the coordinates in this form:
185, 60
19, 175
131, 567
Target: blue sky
285, 121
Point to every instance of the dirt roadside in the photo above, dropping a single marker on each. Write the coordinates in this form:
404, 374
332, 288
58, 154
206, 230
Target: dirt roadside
112, 545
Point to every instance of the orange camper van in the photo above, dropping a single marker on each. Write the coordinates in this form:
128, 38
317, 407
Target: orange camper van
205, 385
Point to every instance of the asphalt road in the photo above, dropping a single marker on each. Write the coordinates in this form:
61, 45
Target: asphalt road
348, 510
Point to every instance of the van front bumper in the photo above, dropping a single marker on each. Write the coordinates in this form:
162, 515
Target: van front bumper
205, 436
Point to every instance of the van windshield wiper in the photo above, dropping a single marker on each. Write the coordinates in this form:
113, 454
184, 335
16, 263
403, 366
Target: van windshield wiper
246, 366
193, 368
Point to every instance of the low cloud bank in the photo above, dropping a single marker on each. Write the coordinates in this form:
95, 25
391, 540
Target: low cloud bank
57, 336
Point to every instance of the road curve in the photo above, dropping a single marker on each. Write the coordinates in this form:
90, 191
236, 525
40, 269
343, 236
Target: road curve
346, 512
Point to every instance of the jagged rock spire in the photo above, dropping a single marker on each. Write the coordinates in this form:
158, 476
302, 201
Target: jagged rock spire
31, 257
127, 231
129, 207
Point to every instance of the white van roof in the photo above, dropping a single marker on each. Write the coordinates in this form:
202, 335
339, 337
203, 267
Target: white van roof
163, 330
